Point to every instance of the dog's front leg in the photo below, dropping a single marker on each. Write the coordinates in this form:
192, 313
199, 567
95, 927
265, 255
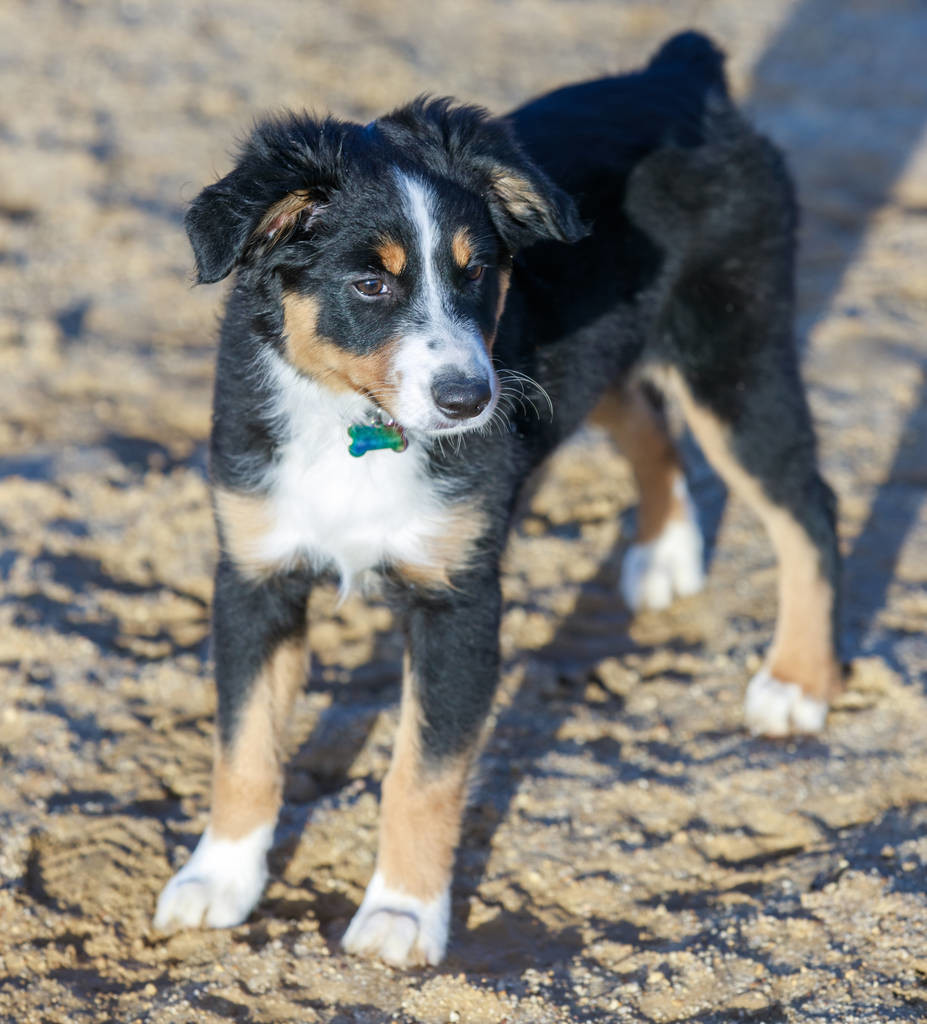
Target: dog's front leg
450, 673
259, 630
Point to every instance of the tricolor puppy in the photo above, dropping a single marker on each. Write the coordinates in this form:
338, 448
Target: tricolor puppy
409, 296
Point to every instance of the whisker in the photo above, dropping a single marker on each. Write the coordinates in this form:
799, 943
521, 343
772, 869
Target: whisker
517, 382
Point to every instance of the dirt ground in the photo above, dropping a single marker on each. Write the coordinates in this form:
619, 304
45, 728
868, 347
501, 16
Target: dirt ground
631, 853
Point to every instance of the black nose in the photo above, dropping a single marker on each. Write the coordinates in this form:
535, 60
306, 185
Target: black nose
461, 397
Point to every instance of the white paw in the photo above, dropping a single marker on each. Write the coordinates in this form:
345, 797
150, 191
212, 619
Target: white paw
670, 566
219, 885
774, 708
401, 929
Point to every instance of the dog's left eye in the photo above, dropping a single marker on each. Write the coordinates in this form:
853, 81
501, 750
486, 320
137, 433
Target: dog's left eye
371, 287
474, 272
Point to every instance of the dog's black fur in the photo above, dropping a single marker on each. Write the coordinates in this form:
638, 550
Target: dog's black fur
650, 227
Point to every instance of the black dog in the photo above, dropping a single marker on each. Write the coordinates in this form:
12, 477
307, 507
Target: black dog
398, 285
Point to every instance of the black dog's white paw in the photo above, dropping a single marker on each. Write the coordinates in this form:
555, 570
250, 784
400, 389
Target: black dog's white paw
777, 708
400, 929
219, 885
654, 574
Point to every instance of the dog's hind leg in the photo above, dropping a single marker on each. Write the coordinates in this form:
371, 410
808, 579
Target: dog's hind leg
764, 448
724, 215
450, 675
261, 661
665, 560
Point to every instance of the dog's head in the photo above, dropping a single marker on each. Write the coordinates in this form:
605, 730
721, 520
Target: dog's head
391, 246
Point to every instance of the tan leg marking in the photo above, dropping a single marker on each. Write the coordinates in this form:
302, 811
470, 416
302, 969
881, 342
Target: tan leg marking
320, 358
452, 550
392, 256
802, 647
638, 430
802, 650
462, 248
247, 784
421, 810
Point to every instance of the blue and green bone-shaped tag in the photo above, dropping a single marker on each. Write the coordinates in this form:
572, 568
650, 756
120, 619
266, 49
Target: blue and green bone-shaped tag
374, 436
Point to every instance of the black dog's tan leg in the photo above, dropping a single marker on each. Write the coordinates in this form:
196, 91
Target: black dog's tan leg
769, 461
421, 808
665, 560
405, 914
724, 216
261, 661
450, 675
247, 782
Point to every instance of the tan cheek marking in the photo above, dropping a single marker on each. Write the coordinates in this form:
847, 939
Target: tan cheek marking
452, 551
244, 521
462, 248
637, 429
247, 782
802, 650
421, 810
393, 256
320, 358
305, 348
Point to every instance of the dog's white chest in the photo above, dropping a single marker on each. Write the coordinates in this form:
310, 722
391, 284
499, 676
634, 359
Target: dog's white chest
342, 512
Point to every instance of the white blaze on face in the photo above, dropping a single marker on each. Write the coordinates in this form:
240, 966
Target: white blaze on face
441, 342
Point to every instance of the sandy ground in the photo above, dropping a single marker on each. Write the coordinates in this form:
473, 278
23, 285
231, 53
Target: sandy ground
631, 854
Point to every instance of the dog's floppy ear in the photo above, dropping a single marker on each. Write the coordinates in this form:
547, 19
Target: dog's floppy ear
221, 223
525, 205
481, 151
283, 175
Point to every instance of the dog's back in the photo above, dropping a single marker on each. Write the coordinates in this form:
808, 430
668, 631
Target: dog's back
589, 136
689, 210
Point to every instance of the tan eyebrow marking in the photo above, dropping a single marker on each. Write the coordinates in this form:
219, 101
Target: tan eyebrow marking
462, 247
392, 256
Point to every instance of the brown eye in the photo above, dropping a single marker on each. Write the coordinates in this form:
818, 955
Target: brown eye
371, 287
474, 272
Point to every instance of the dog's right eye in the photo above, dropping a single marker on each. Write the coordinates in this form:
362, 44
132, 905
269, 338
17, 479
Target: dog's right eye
371, 287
